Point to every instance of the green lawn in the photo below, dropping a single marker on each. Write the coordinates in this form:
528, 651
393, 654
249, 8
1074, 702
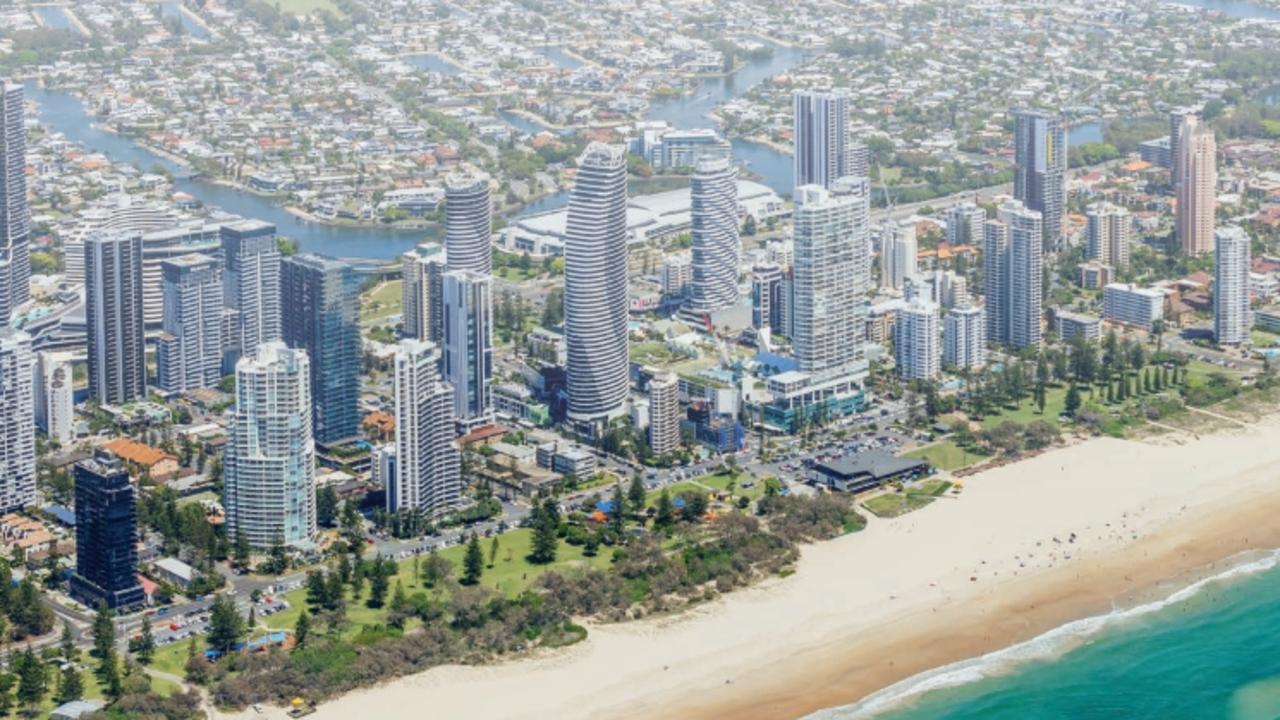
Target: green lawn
1054, 402
381, 303
893, 504
1198, 372
1262, 338
946, 455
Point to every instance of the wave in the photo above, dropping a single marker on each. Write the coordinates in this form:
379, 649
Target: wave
1046, 646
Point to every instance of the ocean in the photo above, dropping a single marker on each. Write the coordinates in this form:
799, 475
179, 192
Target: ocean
1210, 651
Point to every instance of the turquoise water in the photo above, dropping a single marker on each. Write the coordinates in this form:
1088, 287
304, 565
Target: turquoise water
1211, 652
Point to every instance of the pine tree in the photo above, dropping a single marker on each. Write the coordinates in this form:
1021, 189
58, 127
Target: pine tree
242, 550
302, 629
1072, 404
104, 632
664, 515
226, 627
32, 682
493, 551
378, 585
636, 495
619, 512
70, 685
67, 643
147, 643
545, 537
473, 562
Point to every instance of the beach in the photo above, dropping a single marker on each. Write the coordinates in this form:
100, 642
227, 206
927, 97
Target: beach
1074, 532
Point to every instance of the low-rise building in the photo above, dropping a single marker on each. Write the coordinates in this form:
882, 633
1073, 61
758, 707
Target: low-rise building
866, 471
1070, 324
1128, 304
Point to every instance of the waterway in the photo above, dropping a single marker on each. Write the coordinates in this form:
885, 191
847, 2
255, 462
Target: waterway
1243, 9
1084, 133
432, 62
776, 169
191, 27
54, 17
64, 113
557, 55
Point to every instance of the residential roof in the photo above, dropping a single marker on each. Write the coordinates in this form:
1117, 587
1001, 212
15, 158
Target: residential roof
136, 452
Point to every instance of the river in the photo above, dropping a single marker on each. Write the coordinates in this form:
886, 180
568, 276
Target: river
776, 169
1243, 9
64, 113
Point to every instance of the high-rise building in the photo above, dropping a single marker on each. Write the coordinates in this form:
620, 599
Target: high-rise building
716, 247
251, 288
422, 286
916, 341
468, 212
320, 294
595, 286
964, 341
113, 318
55, 397
1231, 318
1108, 234
269, 476
821, 137
664, 413
189, 349
17, 421
1197, 187
1040, 169
898, 251
1013, 271
964, 224
1177, 118
427, 470
468, 346
15, 216
106, 534
766, 301
831, 276
859, 162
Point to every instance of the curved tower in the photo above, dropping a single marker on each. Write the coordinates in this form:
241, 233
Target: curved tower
468, 213
595, 285
716, 248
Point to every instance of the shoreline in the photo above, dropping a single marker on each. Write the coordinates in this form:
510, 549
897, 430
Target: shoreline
955, 580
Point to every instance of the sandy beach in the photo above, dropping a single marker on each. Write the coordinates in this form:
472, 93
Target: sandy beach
964, 576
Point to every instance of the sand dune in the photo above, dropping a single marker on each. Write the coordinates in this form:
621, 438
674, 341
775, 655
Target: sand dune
961, 577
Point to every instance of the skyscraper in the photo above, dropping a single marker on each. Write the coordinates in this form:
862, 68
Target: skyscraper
189, 350
1231, 319
716, 247
1013, 275
54, 397
898, 250
831, 276
916, 341
15, 217
422, 286
964, 341
468, 346
1108, 234
17, 421
113, 318
251, 288
595, 286
1176, 120
1197, 187
821, 127
269, 481
964, 224
106, 534
1040, 169
664, 413
766, 300
320, 294
468, 222
427, 474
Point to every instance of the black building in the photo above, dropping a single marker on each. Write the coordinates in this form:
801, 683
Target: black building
319, 297
106, 535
